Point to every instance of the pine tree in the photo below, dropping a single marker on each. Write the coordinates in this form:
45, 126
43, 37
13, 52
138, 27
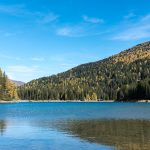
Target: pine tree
8, 89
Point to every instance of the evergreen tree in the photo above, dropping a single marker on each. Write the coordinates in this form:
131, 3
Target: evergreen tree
8, 90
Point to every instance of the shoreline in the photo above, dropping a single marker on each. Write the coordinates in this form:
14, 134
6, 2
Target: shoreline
73, 101
48, 101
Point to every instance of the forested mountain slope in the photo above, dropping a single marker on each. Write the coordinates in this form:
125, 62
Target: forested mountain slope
8, 89
125, 76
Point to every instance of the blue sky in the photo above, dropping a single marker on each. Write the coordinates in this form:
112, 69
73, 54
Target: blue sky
44, 37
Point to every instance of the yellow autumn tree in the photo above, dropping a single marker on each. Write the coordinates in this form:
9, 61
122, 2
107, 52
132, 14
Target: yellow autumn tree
94, 96
11, 89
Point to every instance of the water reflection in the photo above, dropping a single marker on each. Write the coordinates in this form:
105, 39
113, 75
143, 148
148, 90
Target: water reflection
65, 126
121, 134
2, 127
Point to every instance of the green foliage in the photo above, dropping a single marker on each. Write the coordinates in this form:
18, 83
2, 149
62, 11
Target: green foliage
137, 91
107, 79
8, 90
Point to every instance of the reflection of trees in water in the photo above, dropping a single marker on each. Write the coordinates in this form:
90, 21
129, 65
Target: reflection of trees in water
2, 127
121, 134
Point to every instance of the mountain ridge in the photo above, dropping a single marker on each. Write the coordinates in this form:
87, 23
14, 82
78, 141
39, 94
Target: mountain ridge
18, 83
103, 79
105, 59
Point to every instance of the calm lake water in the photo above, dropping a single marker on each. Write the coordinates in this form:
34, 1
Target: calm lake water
75, 126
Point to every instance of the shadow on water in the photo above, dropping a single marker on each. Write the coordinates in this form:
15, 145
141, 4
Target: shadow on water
121, 134
2, 127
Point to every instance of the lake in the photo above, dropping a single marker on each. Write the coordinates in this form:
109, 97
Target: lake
75, 126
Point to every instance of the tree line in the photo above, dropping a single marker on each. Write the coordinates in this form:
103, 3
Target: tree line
136, 91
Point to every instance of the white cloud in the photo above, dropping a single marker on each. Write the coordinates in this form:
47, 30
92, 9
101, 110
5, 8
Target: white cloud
134, 31
92, 20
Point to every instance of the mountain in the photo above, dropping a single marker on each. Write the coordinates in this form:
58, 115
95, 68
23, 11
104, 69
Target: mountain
125, 76
18, 83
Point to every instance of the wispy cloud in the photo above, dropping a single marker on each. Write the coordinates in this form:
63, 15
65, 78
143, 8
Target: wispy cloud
22, 11
70, 31
145, 18
92, 19
9, 34
80, 30
47, 18
89, 26
134, 31
11, 9
37, 59
22, 69
2, 56
130, 15
10, 57
21, 72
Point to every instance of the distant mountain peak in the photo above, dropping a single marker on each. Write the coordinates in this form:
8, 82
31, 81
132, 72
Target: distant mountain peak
18, 83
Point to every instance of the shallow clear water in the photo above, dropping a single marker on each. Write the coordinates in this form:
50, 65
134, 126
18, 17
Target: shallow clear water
72, 126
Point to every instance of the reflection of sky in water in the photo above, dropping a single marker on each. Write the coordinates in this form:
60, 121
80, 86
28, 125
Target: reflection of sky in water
23, 136
75, 126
